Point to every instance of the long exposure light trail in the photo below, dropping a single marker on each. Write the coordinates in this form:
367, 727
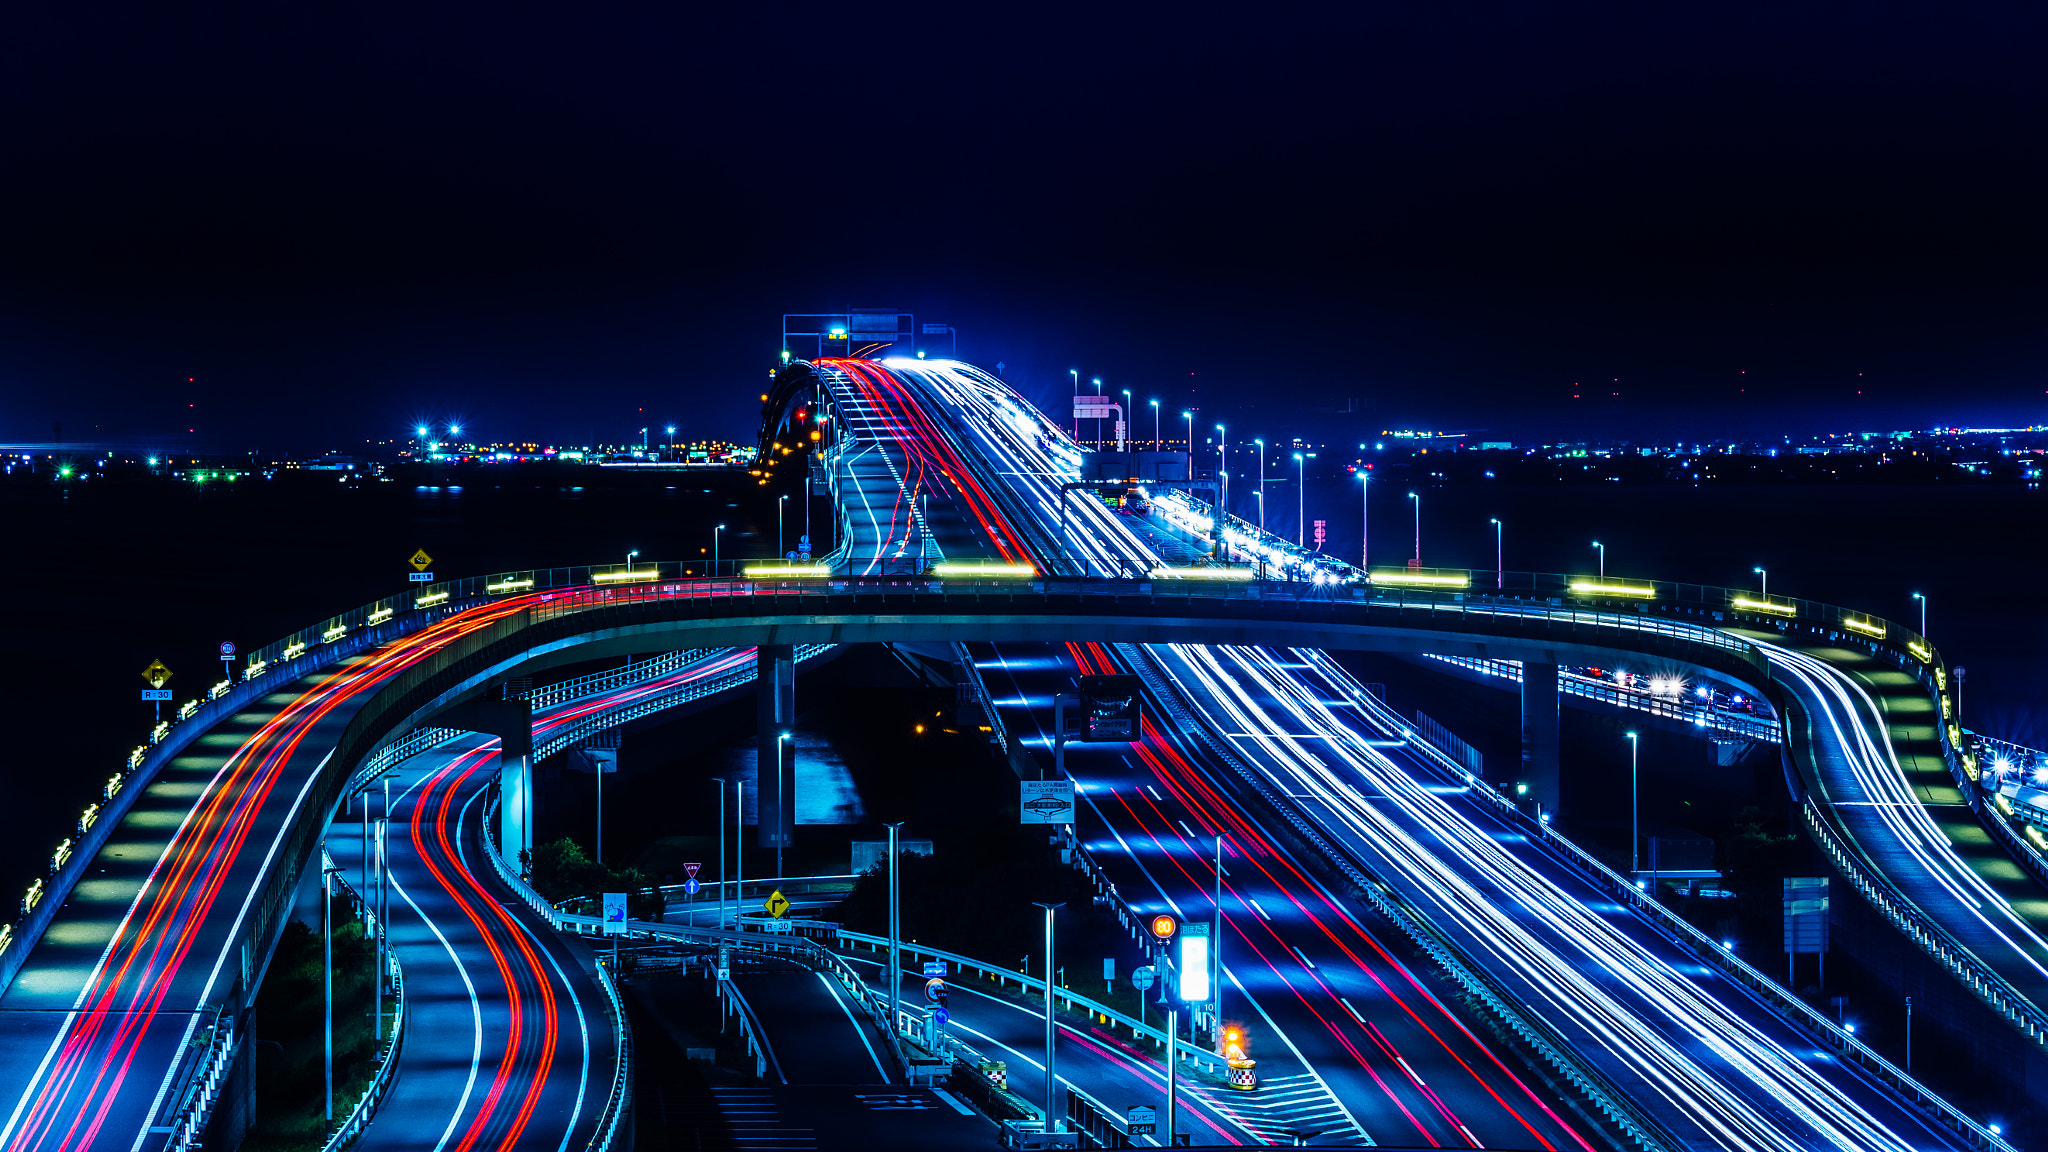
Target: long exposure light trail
1645, 1014
73, 1093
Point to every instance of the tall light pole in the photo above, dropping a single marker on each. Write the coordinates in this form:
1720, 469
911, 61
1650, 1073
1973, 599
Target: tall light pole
671, 441
790, 820
1097, 381
1076, 374
1158, 445
1499, 571
1222, 469
721, 850
1365, 522
1602, 548
781, 500
1262, 484
1766, 589
1051, 1081
714, 544
1923, 614
1300, 501
327, 979
1189, 416
1417, 497
1635, 830
894, 976
1126, 415
629, 559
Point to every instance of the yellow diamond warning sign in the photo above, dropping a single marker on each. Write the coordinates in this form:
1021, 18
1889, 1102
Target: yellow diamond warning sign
419, 560
777, 904
156, 674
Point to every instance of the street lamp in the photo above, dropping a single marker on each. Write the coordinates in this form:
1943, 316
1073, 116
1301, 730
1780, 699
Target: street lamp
1158, 445
1097, 381
1076, 374
420, 431
1300, 501
1417, 497
629, 559
1499, 574
671, 441
1190, 418
1766, 590
1126, 415
1923, 614
1603, 559
780, 501
1053, 1124
1262, 484
721, 848
782, 818
1222, 466
714, 545
1365, 522
1635, 833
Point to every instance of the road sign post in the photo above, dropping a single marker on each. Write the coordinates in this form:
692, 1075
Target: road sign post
157, 675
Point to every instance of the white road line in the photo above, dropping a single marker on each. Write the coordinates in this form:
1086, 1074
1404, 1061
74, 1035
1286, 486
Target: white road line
860, 1031
476, 1012
575, 1001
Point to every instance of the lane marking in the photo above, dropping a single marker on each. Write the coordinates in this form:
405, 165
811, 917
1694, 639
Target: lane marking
476, 1012
857, 1029
954, 1101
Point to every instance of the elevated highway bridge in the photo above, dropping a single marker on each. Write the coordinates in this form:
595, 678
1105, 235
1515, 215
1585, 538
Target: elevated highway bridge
160, 923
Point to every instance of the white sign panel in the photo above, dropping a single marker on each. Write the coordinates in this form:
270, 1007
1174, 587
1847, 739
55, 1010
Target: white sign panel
1047, 801
615, 913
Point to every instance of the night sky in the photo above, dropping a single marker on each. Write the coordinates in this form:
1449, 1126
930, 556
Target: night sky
300, 226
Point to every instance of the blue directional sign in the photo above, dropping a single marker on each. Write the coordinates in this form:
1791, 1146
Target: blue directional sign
941, 1015
690, 886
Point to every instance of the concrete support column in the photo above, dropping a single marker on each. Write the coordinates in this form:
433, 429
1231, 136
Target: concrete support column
515, 811
774, 714
1539, 733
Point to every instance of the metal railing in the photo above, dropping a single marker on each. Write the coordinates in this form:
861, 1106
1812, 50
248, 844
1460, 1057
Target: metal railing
731, 1002
1763, 730
203, 1090
601, 682
619, 1104
1077, 1004
674, 697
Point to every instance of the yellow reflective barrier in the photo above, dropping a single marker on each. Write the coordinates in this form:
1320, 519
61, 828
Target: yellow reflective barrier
1752, 604
1602, 588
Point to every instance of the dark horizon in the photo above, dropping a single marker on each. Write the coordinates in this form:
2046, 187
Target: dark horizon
288, 229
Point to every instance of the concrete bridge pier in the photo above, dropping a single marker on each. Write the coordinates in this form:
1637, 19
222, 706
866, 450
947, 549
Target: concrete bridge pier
511, 721
775, 714
1539, 733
